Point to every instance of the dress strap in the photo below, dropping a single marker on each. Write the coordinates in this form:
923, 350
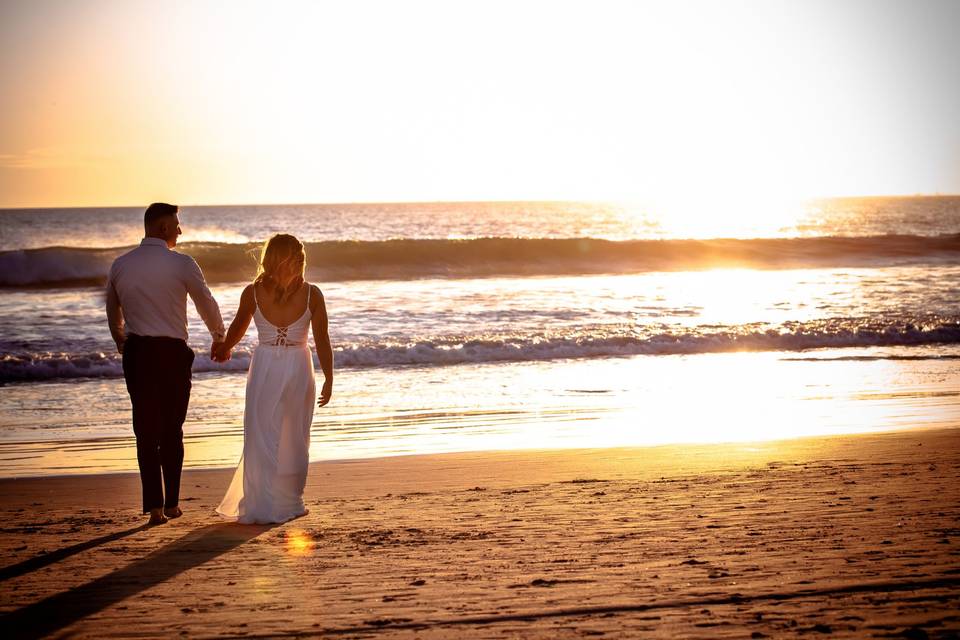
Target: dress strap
308, 296
255, 301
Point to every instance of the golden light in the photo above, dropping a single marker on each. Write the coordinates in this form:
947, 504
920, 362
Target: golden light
726, 215
299, 542
687, 103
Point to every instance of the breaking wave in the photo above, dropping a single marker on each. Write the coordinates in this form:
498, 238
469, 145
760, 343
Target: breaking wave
592, 343
409, 258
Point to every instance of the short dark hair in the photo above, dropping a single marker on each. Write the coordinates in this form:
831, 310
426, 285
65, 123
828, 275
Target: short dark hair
158, 210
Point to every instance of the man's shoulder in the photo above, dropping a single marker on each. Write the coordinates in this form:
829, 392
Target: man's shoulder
125, 257
156, 259
182, 260
176, 255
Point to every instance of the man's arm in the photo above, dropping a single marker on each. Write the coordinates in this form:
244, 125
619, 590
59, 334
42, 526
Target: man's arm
115, 316
203, 300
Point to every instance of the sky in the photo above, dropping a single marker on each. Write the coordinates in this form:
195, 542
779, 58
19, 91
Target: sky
125, 102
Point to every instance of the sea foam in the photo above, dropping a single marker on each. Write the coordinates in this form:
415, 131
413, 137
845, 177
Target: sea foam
592, 343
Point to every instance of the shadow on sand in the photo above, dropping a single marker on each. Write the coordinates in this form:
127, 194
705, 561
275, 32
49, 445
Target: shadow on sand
192, 550
28, 566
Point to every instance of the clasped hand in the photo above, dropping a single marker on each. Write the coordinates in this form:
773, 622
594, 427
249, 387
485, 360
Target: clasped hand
219, 352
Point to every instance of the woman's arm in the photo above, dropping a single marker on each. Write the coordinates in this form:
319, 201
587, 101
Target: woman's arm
321, 338
240, 323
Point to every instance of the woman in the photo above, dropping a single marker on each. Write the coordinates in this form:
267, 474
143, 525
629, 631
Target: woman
269, 481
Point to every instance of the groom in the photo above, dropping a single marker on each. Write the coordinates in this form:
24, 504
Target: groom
147, 312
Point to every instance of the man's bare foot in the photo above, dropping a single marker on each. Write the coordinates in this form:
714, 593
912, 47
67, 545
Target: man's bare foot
173, 512
156, 516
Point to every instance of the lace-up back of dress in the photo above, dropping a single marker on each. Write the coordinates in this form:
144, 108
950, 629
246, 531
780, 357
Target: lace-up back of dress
293, 335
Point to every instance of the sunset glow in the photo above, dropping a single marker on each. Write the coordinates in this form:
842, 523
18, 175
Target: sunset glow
664, 104
535, 319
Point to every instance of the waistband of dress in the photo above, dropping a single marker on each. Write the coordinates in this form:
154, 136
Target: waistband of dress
283, 346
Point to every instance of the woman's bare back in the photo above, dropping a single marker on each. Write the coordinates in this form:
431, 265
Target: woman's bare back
285, 313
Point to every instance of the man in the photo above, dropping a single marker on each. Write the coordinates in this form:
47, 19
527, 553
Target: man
147, 312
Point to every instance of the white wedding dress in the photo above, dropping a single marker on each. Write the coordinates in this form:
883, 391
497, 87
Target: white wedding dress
269, 481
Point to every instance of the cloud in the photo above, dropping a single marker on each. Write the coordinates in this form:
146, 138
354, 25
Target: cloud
47, 158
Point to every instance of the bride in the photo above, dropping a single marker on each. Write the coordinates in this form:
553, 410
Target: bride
269, 481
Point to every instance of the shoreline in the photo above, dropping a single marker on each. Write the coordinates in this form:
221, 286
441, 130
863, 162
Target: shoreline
852, 535
571, 403
575, 451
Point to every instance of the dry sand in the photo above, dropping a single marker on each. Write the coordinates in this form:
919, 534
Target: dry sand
854, 536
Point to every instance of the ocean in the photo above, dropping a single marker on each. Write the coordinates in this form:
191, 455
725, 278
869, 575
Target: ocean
502, 325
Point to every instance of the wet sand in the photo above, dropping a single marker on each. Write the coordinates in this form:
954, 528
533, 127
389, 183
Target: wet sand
851, 536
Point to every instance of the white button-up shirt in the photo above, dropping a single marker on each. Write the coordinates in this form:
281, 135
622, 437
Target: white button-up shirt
152, 283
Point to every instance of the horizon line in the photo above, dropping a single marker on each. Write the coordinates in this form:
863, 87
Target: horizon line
607, 201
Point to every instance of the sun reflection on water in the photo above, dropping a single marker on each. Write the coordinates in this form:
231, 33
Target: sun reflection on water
717, 215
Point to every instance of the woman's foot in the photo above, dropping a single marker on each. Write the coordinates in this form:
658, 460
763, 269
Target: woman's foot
173, 512
156, 516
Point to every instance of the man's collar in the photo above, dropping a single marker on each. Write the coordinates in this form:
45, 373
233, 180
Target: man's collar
154, 242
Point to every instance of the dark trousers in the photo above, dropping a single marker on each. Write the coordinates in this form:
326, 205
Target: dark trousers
157, 371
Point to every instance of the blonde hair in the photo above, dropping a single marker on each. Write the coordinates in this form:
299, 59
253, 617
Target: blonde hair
282, 264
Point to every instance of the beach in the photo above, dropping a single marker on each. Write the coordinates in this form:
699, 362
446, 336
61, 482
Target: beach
591, 425
561, 320
848, 536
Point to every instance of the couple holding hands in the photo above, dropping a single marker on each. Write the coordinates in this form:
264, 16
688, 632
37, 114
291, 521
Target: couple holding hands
146, 297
